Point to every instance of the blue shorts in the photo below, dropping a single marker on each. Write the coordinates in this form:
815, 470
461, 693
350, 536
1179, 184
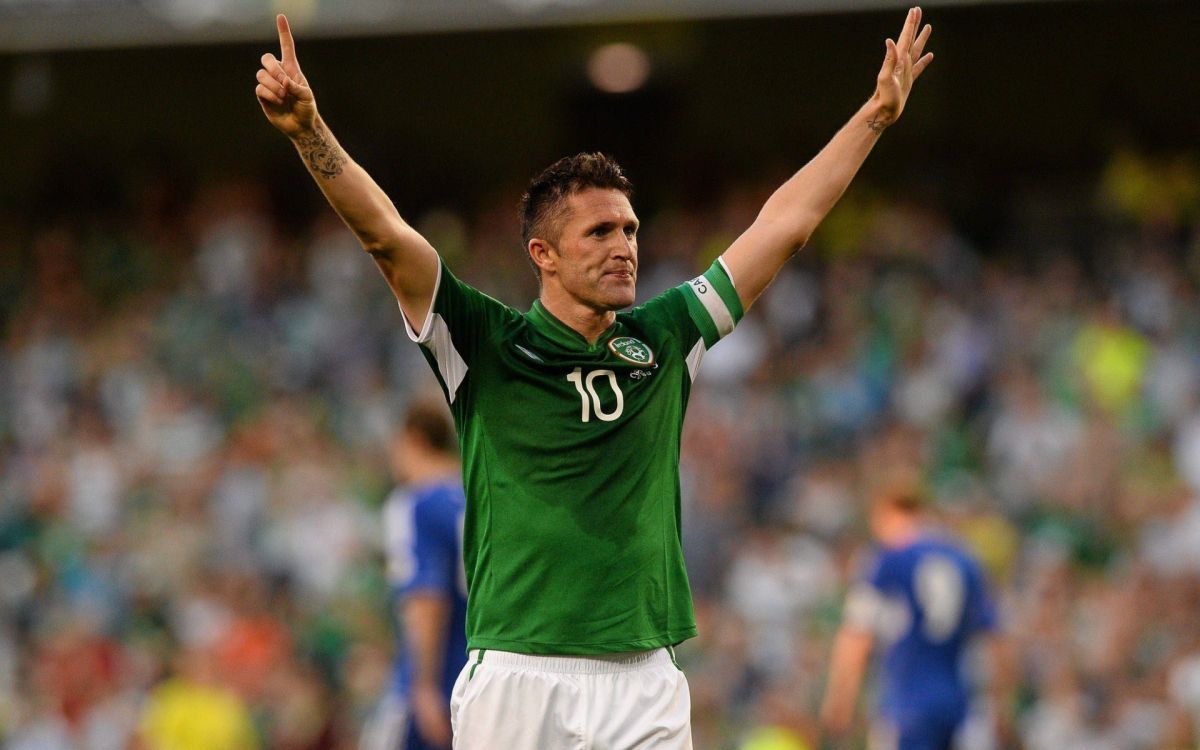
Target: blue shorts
928, 738
925, 730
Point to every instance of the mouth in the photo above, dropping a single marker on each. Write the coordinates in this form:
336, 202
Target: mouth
622, 275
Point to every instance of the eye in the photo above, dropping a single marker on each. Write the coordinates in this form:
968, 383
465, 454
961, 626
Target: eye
599, 231
631, 232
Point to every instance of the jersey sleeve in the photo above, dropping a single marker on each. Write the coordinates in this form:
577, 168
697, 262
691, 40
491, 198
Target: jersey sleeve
453, 332
713, 303
420, 549
699, 312
866, 605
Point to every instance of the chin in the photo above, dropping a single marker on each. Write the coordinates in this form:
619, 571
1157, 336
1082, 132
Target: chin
610, 294
620, 299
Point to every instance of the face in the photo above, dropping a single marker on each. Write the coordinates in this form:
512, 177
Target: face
594, 260
877, 518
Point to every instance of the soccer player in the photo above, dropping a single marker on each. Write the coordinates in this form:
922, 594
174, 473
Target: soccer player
422, 523
924, 598
569, 419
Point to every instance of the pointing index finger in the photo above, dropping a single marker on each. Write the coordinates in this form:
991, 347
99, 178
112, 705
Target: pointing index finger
286, 45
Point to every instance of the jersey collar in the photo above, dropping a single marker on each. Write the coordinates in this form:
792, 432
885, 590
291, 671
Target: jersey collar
560, 333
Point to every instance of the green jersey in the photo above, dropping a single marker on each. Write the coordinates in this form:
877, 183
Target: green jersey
571, 540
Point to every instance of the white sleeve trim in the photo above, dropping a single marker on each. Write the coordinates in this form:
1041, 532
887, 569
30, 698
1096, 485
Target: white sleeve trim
732, 282
427, 326
694, 357
435, 336
399, 531
865, 607
451, 365
721, 318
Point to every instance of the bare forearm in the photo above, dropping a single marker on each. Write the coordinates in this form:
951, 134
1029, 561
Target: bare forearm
425, 619
800, 204
408, 262
848, 665
792, 213
354, 195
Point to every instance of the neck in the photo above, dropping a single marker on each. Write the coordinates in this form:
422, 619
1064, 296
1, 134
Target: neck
588, 322
901, 532
432, 468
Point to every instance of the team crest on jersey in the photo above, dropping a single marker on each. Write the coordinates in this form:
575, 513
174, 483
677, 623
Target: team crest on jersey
632, 351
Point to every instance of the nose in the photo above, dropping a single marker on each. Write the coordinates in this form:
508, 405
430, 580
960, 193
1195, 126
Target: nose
625, 248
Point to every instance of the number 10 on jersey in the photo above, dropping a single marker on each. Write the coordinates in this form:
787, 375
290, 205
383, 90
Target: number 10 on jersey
586, 386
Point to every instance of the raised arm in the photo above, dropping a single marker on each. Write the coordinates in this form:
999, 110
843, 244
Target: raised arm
407, 260
793, 212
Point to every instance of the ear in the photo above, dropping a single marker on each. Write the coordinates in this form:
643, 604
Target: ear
543, 254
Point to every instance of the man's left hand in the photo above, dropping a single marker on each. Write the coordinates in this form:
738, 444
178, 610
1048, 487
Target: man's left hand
904, 62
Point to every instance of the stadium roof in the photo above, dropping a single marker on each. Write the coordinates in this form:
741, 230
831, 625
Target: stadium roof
27, 25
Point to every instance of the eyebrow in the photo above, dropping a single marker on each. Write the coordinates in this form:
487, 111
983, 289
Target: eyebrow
606, 225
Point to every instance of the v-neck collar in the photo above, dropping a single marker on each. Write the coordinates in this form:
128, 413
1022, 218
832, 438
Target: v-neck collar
560, 333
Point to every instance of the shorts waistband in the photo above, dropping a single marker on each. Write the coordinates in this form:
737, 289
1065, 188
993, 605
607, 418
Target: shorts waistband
590, 664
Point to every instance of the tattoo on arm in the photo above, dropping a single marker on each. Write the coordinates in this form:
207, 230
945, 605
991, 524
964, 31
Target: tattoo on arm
323, 156
878, 124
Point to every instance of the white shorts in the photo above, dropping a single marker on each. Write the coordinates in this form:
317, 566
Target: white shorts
636, 701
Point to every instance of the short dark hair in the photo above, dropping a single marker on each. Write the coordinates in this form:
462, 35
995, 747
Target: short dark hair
905, 495
431, 421
549, 190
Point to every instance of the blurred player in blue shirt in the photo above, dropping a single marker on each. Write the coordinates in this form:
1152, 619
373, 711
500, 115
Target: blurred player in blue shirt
423, 531
924, 597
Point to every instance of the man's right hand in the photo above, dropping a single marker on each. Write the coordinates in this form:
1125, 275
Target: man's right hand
282, 90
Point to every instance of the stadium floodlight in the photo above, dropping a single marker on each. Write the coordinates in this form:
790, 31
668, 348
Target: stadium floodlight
618, 68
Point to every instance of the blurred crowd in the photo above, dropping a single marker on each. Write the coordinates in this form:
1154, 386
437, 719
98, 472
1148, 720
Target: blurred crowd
196, 398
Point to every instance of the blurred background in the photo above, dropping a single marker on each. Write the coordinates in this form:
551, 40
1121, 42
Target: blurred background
200, 370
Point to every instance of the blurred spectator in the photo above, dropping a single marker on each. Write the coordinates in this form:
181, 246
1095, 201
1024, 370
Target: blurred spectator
193, 457
192, 711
